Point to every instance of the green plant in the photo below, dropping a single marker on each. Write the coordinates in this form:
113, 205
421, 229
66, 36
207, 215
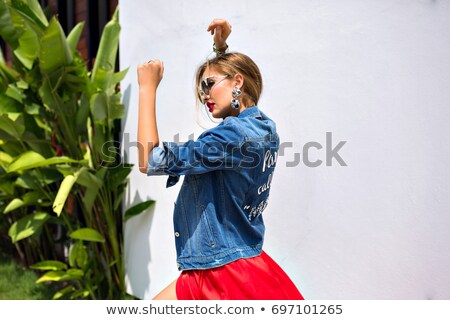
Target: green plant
17, 283
61, 176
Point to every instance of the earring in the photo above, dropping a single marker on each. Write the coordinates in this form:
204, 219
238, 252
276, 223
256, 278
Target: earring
235, 102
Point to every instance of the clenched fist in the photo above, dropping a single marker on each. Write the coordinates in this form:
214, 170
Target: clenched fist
150, 73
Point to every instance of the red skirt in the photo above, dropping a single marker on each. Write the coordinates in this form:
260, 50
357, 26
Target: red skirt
258, 278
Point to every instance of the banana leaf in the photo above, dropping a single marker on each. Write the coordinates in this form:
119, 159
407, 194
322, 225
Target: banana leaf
32, 10
74, 36
54, 50
87, 234
31, 159
64, 191
27, 226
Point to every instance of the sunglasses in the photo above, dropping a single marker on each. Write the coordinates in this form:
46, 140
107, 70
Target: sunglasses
206, 84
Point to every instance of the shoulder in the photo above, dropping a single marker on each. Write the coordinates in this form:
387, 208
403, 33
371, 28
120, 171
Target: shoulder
226, 131
253, 125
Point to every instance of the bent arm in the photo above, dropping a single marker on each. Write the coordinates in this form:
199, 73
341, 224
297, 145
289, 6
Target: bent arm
147, 128
149, 77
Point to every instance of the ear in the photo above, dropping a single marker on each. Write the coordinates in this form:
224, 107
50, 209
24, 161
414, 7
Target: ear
238, 80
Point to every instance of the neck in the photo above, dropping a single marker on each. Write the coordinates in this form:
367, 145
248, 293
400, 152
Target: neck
243, 106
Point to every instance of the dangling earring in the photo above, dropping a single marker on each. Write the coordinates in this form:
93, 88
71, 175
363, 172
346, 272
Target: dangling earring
235, 102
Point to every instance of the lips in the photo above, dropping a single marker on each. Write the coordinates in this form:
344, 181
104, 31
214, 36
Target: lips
210, 106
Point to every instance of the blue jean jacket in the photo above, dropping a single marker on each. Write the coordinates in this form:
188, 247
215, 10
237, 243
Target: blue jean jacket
228, 173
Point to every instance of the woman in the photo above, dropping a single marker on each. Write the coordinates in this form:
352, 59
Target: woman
219, 229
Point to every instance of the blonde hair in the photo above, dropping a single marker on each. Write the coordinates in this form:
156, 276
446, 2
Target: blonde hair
231, 64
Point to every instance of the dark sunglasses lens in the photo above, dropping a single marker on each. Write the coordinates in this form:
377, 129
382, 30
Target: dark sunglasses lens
209, 84
205, 87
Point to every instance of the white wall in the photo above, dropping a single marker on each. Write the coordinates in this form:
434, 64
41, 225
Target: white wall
373, 73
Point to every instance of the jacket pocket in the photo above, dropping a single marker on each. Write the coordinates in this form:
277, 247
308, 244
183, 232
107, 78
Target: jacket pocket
208, 230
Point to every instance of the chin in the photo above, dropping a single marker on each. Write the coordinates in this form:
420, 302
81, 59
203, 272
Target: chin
216, 115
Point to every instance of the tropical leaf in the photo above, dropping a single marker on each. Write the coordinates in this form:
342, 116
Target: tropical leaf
80, 293
54, 51
74, 36
64, 190
29, 198
31, 9
116, 110
32, 108
106, 55
9, 105
7, 30
87, 234
8, 74
7, 187
51, 276
28, 48
82, 115
119, 76
13, 124
137, 209
5, 158
25, 160
27, 226
99, 108
89, 180
13, 205
47, 175
78, 255
71, 274
14, 92
119, 175
31, 160
119, 195
92, 192
63, 292
49, 265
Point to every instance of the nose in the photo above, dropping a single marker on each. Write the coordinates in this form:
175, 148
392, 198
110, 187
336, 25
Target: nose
205, 97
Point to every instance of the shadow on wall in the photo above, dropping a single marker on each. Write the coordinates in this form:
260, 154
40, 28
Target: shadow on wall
137, 231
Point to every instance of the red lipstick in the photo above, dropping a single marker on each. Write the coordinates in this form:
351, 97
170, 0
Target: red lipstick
210, 106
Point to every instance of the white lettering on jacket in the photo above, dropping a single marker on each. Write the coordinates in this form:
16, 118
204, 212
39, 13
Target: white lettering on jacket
266, 185
269, 160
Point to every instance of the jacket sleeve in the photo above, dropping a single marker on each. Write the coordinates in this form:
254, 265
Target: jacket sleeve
216, 149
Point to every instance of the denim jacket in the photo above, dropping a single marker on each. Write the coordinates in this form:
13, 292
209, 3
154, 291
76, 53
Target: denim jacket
228, 172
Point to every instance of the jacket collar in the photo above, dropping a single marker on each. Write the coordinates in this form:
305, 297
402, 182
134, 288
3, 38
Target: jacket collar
250, 112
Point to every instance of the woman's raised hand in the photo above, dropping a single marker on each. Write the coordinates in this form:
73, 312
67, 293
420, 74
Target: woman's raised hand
150, 73
220, 29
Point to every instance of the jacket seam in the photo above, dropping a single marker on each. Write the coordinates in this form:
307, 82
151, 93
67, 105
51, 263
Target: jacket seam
222, 253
